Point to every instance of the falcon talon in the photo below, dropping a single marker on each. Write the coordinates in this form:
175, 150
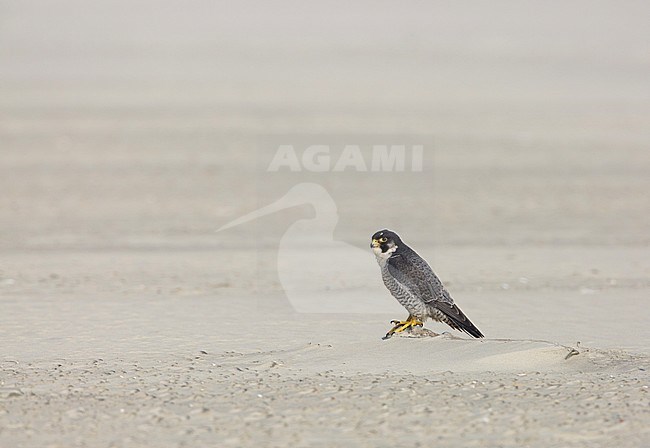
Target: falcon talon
410, 279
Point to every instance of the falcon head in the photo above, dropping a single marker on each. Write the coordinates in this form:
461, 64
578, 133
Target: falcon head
384, 243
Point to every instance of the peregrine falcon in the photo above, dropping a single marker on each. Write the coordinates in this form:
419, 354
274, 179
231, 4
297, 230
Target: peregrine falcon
412, 282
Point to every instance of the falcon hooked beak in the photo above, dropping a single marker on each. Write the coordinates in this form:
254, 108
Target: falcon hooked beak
382, 245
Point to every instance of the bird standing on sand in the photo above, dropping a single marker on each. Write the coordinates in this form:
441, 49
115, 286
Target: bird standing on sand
411, 281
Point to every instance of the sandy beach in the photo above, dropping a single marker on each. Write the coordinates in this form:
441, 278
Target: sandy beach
131, 133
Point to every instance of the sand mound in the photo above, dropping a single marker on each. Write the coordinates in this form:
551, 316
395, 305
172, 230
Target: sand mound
432, 355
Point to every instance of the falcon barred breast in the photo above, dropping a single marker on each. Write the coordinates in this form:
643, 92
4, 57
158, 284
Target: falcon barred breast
411, 281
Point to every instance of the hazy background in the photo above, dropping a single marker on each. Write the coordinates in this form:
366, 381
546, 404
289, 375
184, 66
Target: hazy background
130, 131
127, 122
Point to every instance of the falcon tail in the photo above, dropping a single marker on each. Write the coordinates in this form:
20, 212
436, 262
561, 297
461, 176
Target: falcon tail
457, 320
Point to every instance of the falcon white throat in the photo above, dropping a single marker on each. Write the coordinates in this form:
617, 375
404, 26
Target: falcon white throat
383, 253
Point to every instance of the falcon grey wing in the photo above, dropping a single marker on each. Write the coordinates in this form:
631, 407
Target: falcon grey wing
416, 274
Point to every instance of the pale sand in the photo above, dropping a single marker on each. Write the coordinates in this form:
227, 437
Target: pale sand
195, 364
176, 372
128, 135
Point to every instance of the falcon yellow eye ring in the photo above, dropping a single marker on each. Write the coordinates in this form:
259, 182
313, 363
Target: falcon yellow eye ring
383, 239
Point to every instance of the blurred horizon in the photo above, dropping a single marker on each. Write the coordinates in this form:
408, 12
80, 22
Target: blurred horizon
137, 123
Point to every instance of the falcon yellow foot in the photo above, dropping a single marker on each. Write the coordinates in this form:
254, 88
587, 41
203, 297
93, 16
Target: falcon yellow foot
401, 325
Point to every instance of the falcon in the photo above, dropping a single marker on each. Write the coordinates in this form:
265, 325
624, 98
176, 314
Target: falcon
410, 279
